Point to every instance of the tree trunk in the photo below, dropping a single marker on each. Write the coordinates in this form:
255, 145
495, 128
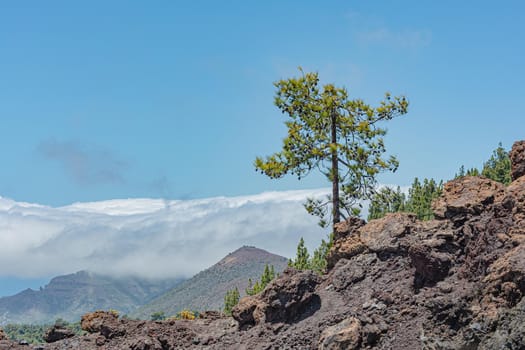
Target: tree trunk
335, 174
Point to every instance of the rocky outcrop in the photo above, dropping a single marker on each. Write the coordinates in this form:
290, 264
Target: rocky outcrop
466, 197
288, 298
346, 335
346, 243
3, 336
517, 159
106, 323
456, 282
57, 333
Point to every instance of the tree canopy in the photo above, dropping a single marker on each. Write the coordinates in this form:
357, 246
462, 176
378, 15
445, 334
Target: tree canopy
230, 300
335, 135
317, 262
267, 276
386, 200
497, 167
419, 200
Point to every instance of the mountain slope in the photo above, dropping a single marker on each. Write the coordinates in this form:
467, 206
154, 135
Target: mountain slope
206, 290
70, 296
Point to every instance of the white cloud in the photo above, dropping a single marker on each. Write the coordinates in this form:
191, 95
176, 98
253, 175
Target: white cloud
149, 237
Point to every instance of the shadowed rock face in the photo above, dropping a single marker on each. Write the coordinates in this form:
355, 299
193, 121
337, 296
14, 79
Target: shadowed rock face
517, 158
57, 333
456, 282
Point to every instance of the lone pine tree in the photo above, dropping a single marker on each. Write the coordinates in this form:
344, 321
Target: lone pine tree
340, 137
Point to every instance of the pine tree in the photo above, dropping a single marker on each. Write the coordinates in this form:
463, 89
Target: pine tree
470, 172
318, 262
420, 197
419, 201
302, 259
267, 276
230, 300
341, 138
384, 201
498, 167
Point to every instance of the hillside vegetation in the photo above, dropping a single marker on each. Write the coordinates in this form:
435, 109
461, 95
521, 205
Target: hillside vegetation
206, 290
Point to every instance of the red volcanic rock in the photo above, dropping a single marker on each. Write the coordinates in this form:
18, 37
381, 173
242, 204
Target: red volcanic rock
517, 159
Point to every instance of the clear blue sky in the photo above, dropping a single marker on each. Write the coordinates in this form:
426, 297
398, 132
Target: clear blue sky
124, 99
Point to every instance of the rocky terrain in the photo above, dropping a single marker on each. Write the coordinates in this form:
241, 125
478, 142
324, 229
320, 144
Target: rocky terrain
455, 282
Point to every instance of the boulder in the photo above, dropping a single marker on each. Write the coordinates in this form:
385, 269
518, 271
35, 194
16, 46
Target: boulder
3, 336
506, 276
243, 311
467, 196
517, 159
104, 322
431, 266
57, 333
348, 272
378, 236
348, 227
383, 235
515, 196
346, 335
346, 241
288, 298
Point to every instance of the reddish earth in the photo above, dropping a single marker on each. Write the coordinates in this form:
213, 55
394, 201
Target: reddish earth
456, 282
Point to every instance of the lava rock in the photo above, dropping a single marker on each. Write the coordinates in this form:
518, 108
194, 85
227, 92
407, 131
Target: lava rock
517, 159
287, 298
57, 333
346, 335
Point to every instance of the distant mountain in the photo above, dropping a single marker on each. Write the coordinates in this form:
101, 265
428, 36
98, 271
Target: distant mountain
70, 296
206, 290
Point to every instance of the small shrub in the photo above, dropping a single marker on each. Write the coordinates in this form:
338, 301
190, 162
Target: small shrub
158, 316
184, 315
114, 312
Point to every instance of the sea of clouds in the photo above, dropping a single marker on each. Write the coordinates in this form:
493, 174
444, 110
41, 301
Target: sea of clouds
150, 237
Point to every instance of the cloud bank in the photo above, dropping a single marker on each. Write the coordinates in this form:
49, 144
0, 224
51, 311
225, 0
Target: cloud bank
149, 237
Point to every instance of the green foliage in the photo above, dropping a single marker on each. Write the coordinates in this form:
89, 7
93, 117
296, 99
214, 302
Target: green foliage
420, 197
230, 300
267, 276
302, 258
386, 200
498, 167
158, 316
34, 333
317, 262
469, 172
335, 135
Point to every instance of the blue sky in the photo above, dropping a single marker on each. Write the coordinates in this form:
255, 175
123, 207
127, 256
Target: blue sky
125, 99
129, 99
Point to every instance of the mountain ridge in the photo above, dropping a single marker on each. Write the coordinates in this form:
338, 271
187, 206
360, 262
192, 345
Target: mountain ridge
205, 291
70, 296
